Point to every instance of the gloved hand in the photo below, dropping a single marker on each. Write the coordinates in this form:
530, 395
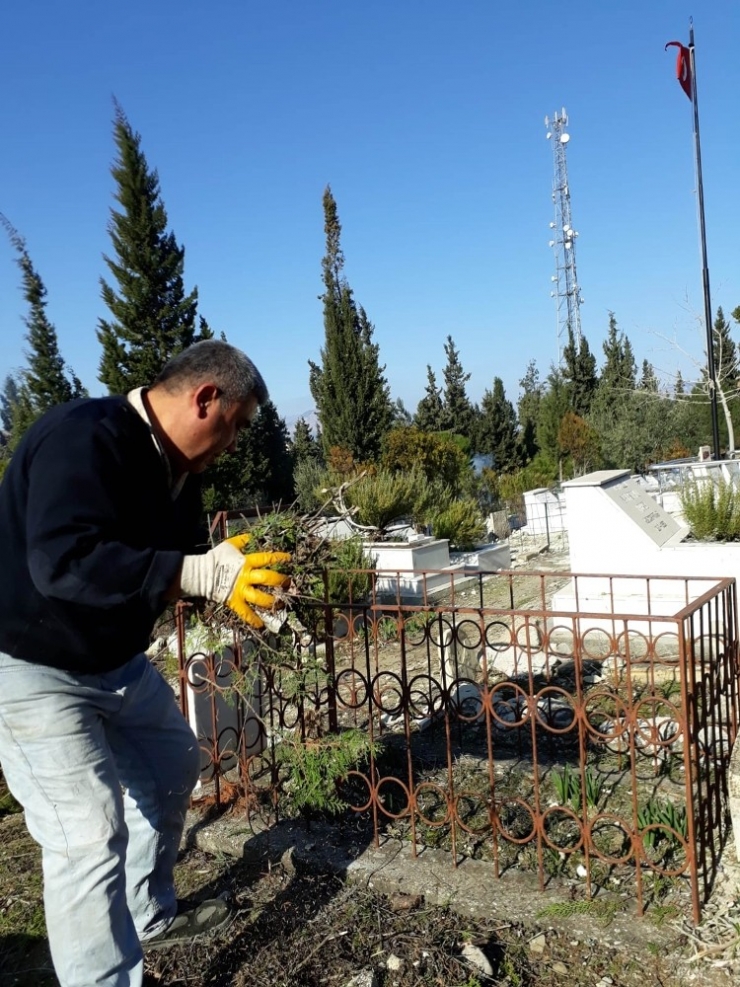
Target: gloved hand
226, 575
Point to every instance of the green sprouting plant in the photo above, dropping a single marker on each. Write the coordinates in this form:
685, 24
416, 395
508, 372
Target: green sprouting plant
311, 480
386, 630
510, 971
431, 498
711, 509
316, 767
567, 786
594, 783
672, 822
418, 623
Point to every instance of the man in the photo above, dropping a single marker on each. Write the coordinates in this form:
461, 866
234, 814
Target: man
99, 524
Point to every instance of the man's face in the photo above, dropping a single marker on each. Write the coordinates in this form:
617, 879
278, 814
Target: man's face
219, 431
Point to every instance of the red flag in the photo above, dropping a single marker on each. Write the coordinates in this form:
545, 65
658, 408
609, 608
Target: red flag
683, 66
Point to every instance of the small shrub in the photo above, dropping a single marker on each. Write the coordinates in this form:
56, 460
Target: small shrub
385, 498
461, 523
317, 766
712, 510
343, 582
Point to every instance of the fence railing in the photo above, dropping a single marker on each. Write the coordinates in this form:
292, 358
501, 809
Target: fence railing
590, 742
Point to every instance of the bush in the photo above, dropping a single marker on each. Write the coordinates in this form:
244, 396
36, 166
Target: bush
310, 479
348, 555
431, 500
461, 523
437, 455
712, 510
316, 767
385, 497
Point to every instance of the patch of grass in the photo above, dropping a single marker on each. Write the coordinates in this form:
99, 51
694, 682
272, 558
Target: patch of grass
660, 914
8, 805
25, 957
603, 909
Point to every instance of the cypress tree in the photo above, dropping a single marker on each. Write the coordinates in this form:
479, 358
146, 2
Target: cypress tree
498, 429
429, 415
458, 415
259, 472
151, 316
45, 381
528, 409
8, 401
725, 354
579, 372
349, 389
619, 370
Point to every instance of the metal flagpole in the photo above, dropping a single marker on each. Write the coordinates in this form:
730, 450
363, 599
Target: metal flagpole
712, 374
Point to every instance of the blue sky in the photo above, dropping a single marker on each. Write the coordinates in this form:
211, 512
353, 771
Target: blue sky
427, 120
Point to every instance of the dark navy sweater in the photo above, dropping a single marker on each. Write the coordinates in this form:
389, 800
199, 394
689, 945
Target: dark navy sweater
90, 538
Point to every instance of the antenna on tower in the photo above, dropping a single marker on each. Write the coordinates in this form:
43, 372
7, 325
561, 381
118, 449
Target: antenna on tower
566, 291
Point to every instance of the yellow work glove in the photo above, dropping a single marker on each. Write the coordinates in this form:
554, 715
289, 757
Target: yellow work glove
226, 575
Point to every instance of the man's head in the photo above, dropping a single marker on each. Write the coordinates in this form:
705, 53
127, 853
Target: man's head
202, 399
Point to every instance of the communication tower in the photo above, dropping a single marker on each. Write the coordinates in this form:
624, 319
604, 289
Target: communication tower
566, 291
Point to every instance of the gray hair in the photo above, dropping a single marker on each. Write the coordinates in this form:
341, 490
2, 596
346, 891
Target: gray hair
214, 361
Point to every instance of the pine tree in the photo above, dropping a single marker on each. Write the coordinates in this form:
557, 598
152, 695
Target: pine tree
429, 415
648, 380
151, 316
349, 388
304, 446
458, 413
45, 381
498, 429
579, 372
679, 388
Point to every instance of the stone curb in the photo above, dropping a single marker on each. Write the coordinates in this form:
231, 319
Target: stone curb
471, 889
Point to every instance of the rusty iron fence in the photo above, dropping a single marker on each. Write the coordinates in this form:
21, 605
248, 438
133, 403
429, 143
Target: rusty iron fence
575, 725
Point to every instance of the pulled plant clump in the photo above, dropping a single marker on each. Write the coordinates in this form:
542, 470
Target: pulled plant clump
322, 570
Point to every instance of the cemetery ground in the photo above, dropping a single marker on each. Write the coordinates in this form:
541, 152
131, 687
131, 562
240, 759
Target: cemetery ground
320, 904
304, 917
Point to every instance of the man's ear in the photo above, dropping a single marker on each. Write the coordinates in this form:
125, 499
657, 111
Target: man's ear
204, 398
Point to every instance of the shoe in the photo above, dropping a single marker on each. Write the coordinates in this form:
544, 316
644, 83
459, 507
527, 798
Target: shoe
192, 922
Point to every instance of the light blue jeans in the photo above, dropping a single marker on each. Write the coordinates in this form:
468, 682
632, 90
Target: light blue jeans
103, 766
